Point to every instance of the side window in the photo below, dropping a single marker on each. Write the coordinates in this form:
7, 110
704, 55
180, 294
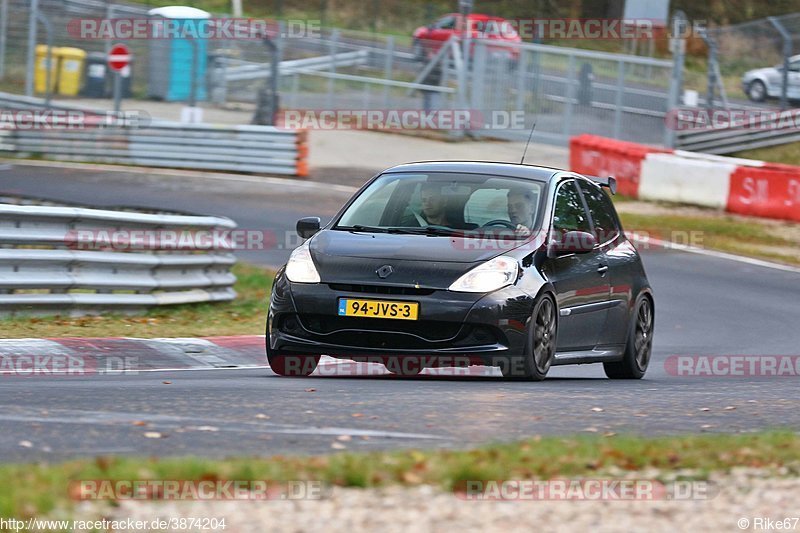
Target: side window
602, 211
446, 23
569, 214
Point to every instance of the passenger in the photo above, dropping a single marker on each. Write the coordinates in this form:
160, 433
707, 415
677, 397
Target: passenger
521, 209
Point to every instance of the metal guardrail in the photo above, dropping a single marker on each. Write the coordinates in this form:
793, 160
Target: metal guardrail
242, 148
770, 131
237, 70
56, 260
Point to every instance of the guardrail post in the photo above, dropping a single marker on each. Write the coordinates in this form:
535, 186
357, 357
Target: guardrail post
110, 8
674, 98
521, 72
3, 36
619, 100
31, 59
712, 73
332, 49
295, 90
461, 72
567, 126
388, 67
478, 93
49, 76
787, 52
219, 78
194, 70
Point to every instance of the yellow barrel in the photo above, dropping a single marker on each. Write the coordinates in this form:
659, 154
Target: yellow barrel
70, 70
40, 72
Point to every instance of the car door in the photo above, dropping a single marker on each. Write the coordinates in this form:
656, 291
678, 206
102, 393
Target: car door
774, 78
580, 280
621, 259
793, 88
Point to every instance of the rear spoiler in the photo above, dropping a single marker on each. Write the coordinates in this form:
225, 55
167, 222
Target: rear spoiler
608, 182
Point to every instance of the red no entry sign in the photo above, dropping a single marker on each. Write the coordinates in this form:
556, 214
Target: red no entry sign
119, 57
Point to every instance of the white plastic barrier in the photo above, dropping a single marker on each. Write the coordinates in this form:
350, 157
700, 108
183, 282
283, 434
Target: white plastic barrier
671, 178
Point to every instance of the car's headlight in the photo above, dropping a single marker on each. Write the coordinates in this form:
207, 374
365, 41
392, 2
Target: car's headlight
490, 276
300, 267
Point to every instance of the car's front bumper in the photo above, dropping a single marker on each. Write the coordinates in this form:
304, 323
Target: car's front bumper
303, 319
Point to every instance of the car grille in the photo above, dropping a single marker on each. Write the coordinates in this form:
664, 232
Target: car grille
391, 334
427, 329
382, 289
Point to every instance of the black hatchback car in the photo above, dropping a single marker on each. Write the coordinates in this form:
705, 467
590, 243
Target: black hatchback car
465, 263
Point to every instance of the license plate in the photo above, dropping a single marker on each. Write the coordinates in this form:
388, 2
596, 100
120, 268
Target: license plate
379, 309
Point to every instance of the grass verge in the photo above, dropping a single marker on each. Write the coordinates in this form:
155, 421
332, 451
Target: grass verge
40, 489
770, 240
788, 154
244, 316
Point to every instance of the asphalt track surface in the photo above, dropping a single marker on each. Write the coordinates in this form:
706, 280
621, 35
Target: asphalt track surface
705, 305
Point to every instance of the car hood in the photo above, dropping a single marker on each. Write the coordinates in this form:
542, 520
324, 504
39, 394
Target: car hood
417, 260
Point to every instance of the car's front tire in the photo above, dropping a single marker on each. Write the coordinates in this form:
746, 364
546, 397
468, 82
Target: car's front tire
757, 91
639, 346
541, 344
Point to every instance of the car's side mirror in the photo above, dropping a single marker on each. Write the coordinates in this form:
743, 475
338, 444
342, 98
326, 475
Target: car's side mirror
572, 242
308, 226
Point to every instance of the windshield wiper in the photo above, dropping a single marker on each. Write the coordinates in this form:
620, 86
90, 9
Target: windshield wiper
428, 230
365, 229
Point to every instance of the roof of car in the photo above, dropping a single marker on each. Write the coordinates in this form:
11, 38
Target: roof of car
512, 170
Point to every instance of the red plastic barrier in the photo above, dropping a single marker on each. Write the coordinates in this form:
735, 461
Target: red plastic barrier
600, 156
766, 192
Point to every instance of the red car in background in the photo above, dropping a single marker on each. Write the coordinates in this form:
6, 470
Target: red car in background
429, 39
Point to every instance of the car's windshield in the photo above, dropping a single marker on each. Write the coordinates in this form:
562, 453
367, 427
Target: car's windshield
446, 204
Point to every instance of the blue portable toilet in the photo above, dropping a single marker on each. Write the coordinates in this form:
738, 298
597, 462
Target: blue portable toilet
172, 53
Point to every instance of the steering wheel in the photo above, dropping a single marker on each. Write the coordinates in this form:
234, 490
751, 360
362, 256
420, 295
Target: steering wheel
500, 222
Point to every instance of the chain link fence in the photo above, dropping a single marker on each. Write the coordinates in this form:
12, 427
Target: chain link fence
568, 92
511, 86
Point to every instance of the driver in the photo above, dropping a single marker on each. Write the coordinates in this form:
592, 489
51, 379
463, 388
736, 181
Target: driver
434, 205
521, 208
